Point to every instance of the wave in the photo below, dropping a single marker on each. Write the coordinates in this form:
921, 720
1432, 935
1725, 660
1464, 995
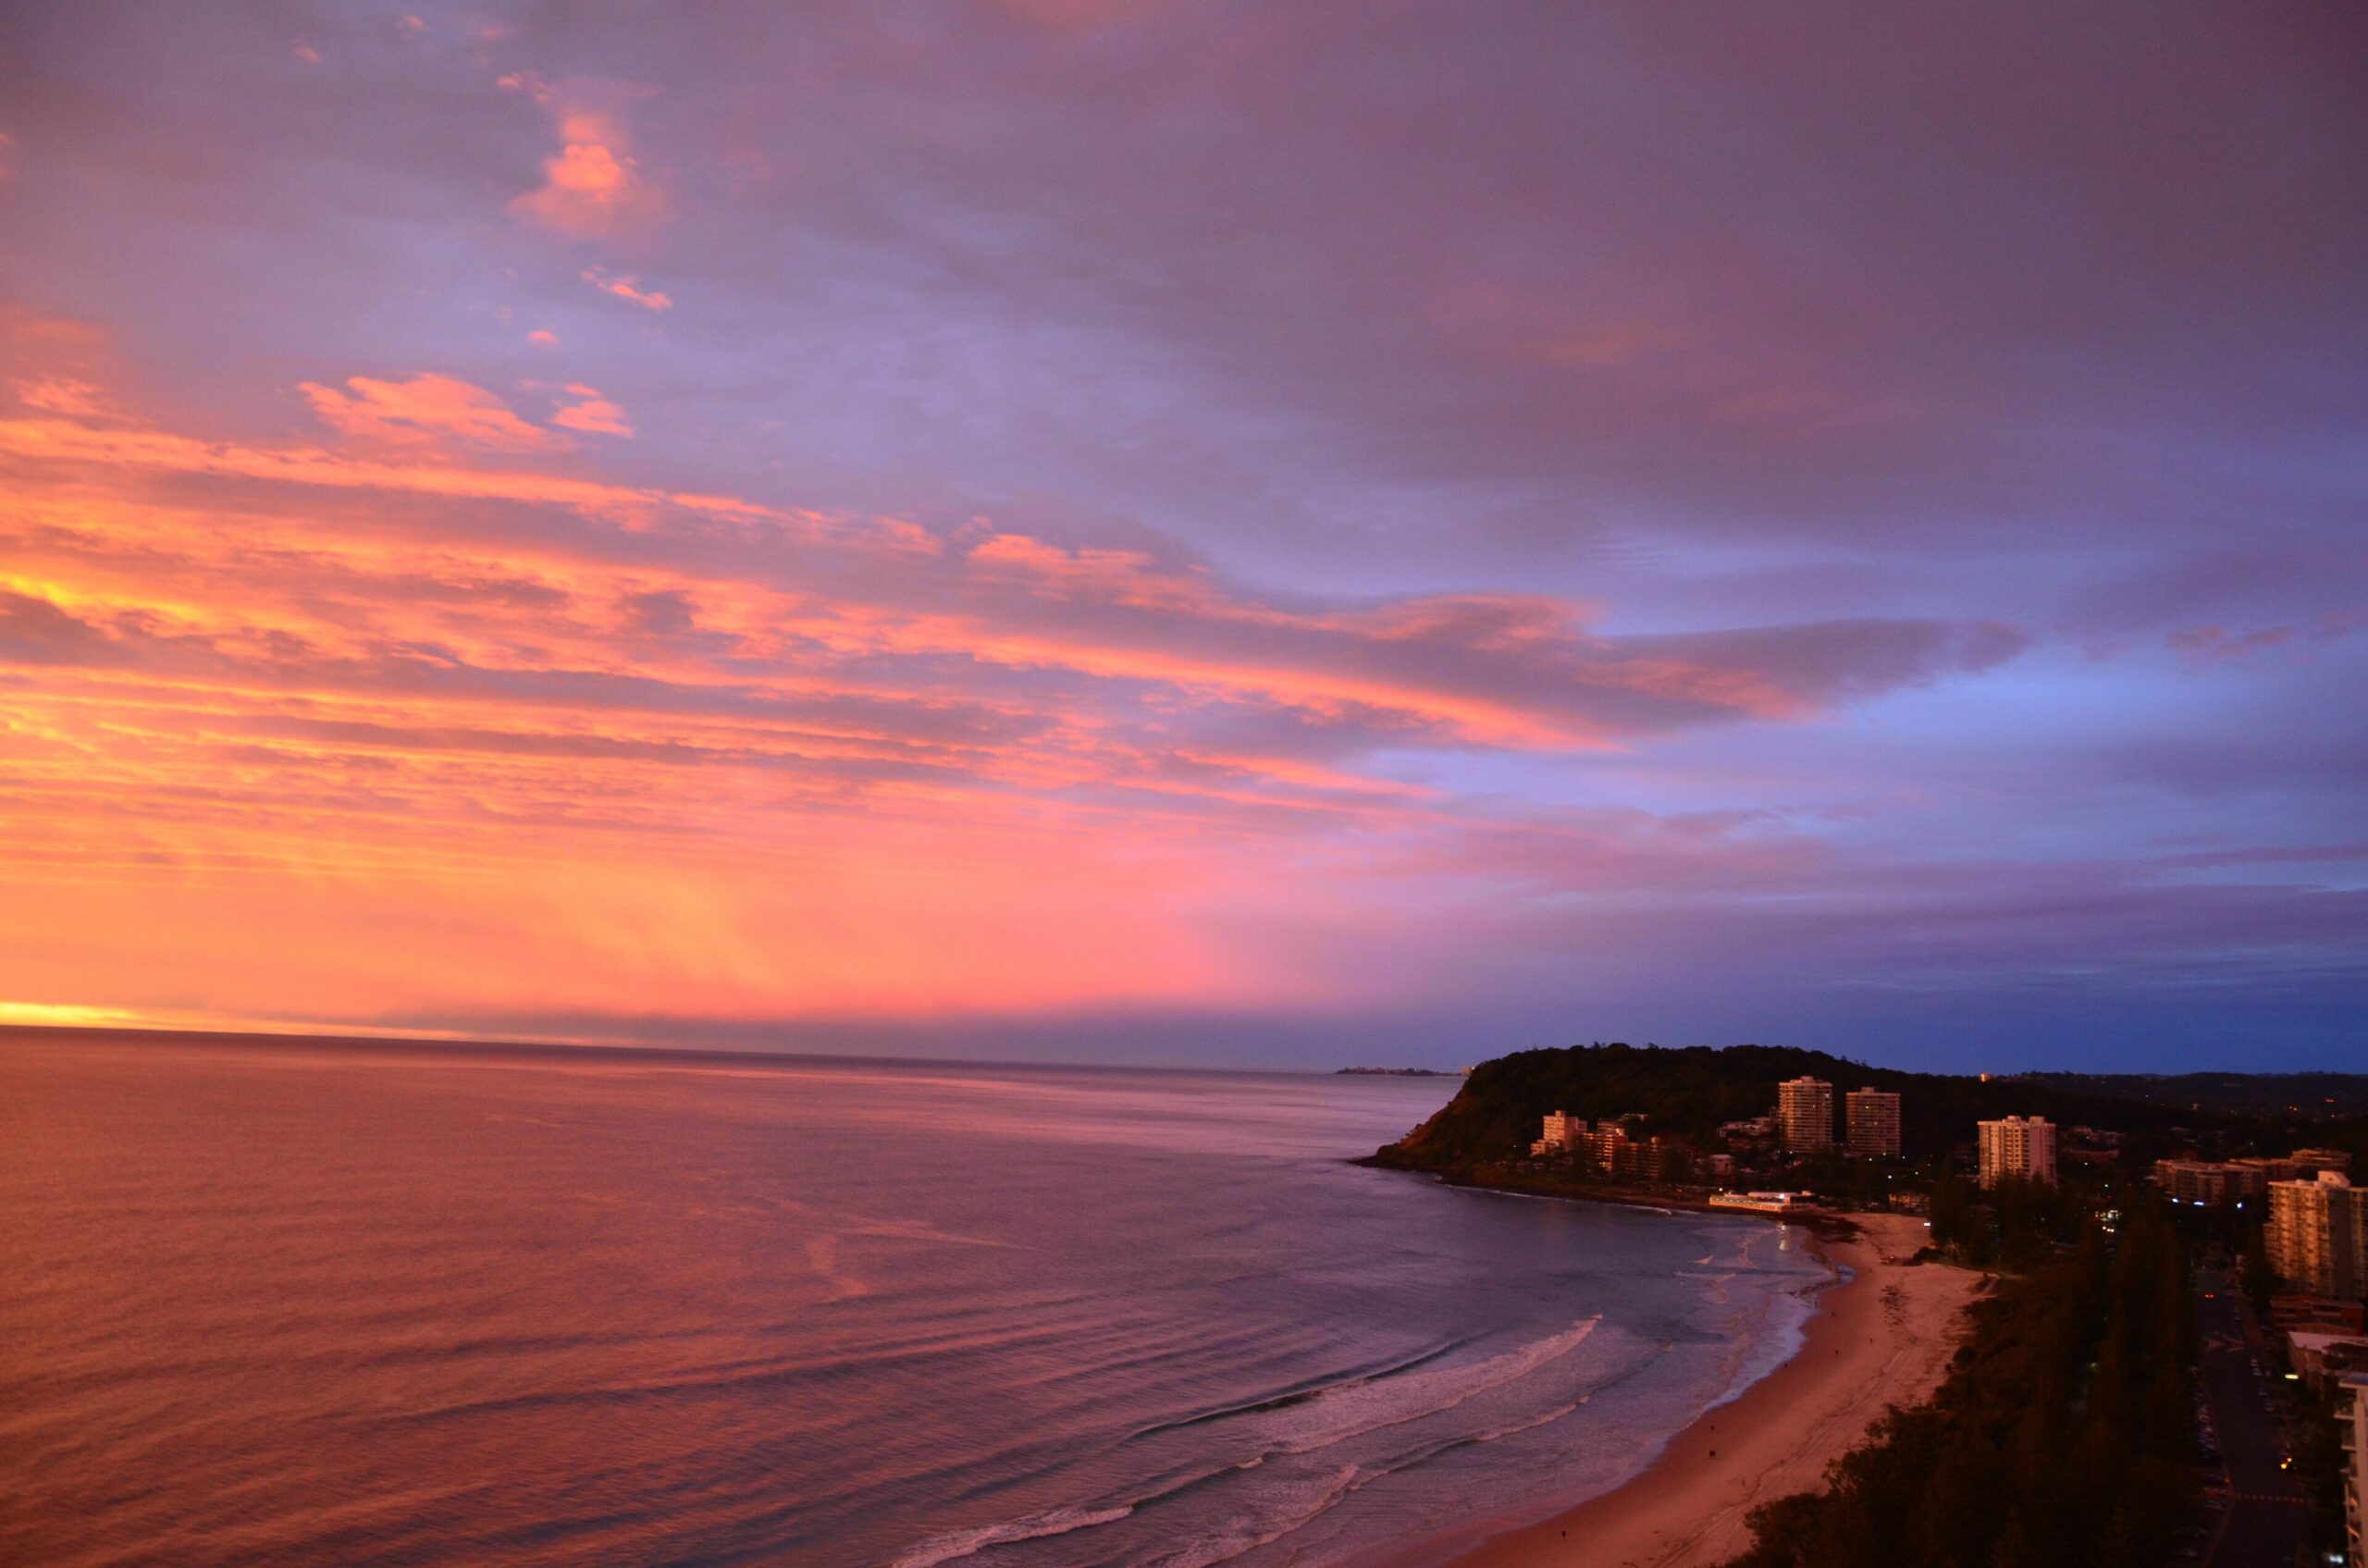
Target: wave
1339, 1485
1351, 1410
1782, 1331
960, 1544
1299, 1393
1306, 1422
1327, 1492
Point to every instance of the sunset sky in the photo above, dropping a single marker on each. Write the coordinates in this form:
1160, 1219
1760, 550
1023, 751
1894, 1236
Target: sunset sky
1191, 531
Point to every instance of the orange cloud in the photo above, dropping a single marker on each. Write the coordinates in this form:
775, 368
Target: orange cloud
592, 413
64, 395
527, 82
627, 287
38, 350
291, 732
117, 451
593, 186
428, 410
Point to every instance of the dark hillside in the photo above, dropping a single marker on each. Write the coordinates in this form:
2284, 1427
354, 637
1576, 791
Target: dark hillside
1689, 1091
2303, 1094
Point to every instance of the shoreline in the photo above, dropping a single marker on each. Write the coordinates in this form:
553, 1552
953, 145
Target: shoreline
1882, 1335
1825, 1225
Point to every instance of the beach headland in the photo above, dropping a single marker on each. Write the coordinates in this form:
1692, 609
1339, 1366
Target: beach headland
1880, 1337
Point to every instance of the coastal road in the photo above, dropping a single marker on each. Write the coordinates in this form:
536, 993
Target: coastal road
2267, 1524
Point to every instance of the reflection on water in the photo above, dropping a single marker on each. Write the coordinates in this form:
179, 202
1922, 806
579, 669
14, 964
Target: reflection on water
384, 1305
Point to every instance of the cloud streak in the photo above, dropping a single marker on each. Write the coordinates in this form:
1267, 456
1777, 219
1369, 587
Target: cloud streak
267, 689
627, 287
426, 409
1493, 525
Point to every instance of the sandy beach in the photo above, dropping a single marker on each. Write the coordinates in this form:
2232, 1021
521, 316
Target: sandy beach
1882, 1337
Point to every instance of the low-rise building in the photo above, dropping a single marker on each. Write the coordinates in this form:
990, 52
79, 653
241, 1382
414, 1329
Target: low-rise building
1764, 1203
1615, 1149
2208, 1182
2322, 1358
1758, 1132
2316, 1315
2299, 1166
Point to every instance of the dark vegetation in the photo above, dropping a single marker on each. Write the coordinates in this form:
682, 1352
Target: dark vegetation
2245, 1093
2016, 1225
1689, 1091
2064, 1436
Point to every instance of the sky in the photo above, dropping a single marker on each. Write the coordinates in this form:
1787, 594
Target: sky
1190, 530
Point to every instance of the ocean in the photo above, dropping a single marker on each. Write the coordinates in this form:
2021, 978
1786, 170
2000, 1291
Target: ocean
310, 1302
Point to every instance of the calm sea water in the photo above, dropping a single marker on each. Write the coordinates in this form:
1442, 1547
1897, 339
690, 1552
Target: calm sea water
321, 1304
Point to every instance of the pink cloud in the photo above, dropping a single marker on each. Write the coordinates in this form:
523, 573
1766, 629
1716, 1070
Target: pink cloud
75, 445
65, 395
1472, 374
592, 413
1506, 672
528, 83
497, 717
593, 186
42, 347
627, 287
428, 410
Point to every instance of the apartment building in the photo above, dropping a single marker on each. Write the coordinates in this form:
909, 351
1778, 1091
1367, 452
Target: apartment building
2318, 1234
1871, 1117
2352, 1410
1805, 1113
2017, 1147
2210, 1183
1562, 1130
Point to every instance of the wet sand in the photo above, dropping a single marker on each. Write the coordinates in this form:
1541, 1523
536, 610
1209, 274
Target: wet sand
1882, 1337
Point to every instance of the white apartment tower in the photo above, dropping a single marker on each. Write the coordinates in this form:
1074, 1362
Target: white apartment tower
2020, 1147
1805, 1113
1872, 1117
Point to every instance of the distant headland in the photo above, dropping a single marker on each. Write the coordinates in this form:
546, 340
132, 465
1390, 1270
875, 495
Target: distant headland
2143, 1267
1402, 1072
